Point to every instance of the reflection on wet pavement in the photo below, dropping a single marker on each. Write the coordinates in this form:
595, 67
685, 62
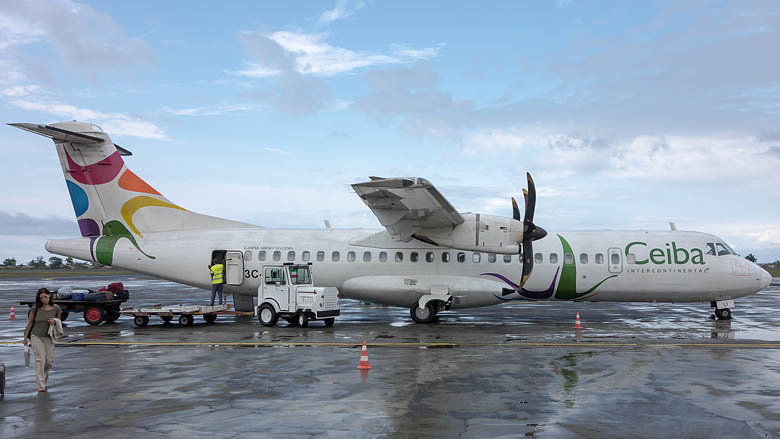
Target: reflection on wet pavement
502, 371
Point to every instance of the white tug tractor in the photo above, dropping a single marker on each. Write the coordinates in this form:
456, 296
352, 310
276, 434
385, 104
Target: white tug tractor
288, 291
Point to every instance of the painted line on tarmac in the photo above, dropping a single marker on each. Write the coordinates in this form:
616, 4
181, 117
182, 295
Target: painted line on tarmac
418, 344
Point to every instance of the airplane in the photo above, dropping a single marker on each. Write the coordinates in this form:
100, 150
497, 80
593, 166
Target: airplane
429, 258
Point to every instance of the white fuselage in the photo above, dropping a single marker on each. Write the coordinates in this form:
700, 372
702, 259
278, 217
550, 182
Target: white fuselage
363, 264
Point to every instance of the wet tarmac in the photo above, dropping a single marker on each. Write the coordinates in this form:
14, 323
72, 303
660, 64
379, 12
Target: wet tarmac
635, 370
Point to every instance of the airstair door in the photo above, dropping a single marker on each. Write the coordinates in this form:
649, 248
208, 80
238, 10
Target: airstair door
234, 268
615, 260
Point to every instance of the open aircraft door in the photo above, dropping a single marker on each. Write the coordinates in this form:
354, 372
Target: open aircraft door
234, 268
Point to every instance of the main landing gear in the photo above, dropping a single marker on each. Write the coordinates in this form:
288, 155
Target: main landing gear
722, 309
424, 315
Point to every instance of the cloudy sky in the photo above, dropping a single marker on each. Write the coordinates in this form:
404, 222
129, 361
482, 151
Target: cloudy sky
628, 114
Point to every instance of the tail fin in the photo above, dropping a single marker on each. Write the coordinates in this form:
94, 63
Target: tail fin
107, 197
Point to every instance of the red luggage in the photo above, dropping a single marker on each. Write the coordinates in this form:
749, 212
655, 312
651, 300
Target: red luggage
116, 287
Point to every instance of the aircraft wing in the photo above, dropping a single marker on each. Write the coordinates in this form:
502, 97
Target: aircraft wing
405, 206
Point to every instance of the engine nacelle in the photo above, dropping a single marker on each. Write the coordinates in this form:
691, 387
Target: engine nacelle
479, 233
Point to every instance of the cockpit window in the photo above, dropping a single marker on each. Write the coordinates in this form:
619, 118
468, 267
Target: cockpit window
722, 250
728, 247
710, 249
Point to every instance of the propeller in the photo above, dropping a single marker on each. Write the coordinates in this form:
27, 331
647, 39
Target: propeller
531, 232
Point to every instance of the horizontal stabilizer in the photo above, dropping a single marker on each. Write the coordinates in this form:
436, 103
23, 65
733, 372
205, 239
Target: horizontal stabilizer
61, 135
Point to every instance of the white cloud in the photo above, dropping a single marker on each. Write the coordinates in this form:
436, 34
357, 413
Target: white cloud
113, 123
343, 9
20, 90
209, 111
668, 158
310, 54
15, 32
276, 151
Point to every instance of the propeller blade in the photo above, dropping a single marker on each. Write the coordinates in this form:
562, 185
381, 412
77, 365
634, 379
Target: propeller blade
528, 261
515, 210
530, 202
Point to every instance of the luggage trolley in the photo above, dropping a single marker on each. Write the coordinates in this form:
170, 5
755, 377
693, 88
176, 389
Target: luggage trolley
186, 313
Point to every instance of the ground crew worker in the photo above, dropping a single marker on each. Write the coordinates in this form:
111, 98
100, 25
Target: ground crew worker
216, 270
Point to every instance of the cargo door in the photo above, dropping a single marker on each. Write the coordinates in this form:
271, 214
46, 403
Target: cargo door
234, 268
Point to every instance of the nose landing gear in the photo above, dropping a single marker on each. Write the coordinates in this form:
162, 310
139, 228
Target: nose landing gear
722, 309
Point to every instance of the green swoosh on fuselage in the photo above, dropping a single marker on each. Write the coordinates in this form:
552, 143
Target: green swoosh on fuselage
567, 286
113, 231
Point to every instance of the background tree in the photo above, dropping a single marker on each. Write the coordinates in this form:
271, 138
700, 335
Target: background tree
55, 262
95, 265
69, 262
9, 262
38, 262
750, 257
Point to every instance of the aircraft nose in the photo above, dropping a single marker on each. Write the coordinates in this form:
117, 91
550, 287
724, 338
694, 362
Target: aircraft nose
766, 279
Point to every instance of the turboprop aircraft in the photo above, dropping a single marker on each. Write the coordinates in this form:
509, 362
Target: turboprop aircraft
429, 258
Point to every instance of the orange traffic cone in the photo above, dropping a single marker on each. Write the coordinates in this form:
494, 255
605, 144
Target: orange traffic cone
13, 314
364, 358
577, 324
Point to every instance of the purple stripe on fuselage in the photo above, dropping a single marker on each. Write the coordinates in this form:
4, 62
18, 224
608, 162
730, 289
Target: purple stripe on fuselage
546, 294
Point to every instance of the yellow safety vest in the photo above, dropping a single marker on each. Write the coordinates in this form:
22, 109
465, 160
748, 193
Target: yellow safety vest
216, 273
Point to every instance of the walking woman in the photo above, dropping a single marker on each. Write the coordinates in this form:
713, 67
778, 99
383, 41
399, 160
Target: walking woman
37, 334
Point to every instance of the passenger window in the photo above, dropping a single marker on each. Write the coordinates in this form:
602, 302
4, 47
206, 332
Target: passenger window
476, 257
248, 255
553, 258
491, 257
320, 256
261, 255
615, 258
445, 257
351, 256
335, 256
568, 258
382, 256
399, 256
414, 257
366, 256
277, 255
306, 256
583, 258
538, 258
507, 259
599, 258
722, 249
461, 257
631, 258
291, 255
429, 257
710, 249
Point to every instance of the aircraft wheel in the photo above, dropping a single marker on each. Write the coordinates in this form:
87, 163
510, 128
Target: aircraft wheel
423, 315
723, 314
141, 321
303, 321
267, 315
186, 320
330, 321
